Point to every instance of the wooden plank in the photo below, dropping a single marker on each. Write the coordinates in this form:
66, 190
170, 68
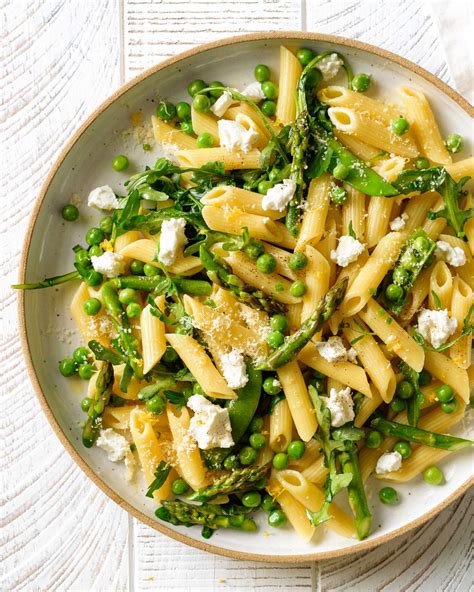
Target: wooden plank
60, 531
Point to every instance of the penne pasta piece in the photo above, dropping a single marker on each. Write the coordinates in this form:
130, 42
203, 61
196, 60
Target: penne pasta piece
134, 386
316, 279
281, 426
170, 138
295, 512
353, 211
419, 460
417, 209
378, 218
282, 257
205, 123
232, 160
441, 284
461, 168
316, 472
99, 326
290, 72
417, 295
461, 302
311, 454
356, 146
125, 239
434, 228
244, 109
367, 407
315, 212
339, 96
153, 335
390, 168
448, 372
229, 197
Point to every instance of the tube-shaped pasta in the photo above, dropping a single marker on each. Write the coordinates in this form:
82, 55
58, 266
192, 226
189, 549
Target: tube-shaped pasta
295, 512
290, 71
201, 366
125, 239
417, 295
316, 472
469, 225
461, 302
312, 498
316, 279
392, 334
420, 459
168, 136
311, 454
373, 360
461, 168
353, 210
367, 407
153, 335
249, 124
448, 372
282, 258
339, 96
205, 123
359, 148
434, 228
296, 393
390, 168
260, 227
281, 426
328, 244
423, 124
378, 218
99, 326
315, 212
229, 197
250, 112
134, 386
372, 131
369, 277
231, 160
417, 208
441, 284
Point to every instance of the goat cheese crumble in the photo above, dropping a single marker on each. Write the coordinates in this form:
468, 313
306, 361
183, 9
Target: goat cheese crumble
348, 250
399, 223
102, 198
436, 326
110, 264
172, 240
279, 196
341, 406
222, 104
455, 256
333, 350
117, 449
210, 425
330, 66
234, 369
254, 91
234, 137
388, 462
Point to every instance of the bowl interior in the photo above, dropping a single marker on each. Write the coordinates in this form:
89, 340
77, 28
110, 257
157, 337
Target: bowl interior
49, 329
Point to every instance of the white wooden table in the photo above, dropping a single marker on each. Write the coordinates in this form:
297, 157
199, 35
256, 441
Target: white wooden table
61, 59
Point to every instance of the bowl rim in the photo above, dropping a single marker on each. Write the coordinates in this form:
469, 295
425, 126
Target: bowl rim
160, 527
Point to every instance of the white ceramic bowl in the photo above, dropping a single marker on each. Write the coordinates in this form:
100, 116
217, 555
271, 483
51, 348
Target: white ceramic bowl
47, 330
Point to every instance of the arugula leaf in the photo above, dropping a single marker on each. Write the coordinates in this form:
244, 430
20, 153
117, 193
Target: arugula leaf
351, 230
274, 400
161, 474
177, 398
436, 300
126, 378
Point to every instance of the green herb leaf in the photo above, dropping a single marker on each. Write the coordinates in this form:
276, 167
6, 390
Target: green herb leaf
161, 474
106, 354
436, 300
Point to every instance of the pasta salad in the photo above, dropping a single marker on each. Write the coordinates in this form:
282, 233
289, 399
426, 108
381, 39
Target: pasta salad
279, 309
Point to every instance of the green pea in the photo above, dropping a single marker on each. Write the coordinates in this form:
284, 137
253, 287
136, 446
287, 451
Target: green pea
86, 371
248, 455
80, 355
136, 267
422, 163
266, 263
264, 186
94, 236
361, 82
67, 367
128, 295
269, 89
373, 439
340, 171
304, 56
397, 405
388, 495
183, 110
92, 306
254, 249
262, 73
70, 213
257, 441
271, 385
279, 322
198, 390
280, 461
424, 379
444, 393
201, 103
338, 195
179, 487
251, 499
454, 143
433, 475
276, 518
399, 126
256, 425
450, 407
274, 174
93, 278
297, 261
155, 405
401, 276
408, 260
150, 270
96, 251
215, 93
181, 331
205, 140
106, 224
231, 462
394, 292
405, 390
279, 287
421, 244
169, 356
146, 146
268, 503
187, 127
120, 163
403, 448
85, 404
133, 310
166, 111
196, 86
275, 339
269, 108
296, 449
298, 289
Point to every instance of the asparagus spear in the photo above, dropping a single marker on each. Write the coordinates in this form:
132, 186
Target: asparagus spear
413, 434
220, 273
299, 137
178, 512
154, 283
356, 492
415, 402
295, 343
103, 390
235, 482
